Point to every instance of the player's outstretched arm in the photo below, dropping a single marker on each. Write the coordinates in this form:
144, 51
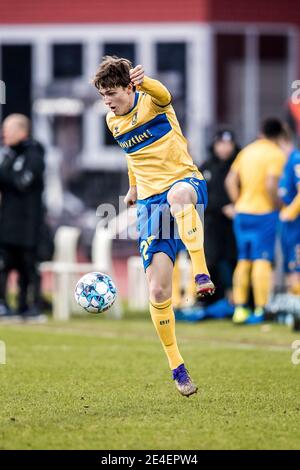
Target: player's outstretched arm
159, 93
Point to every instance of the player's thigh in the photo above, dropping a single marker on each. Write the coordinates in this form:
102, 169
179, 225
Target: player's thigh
182, 193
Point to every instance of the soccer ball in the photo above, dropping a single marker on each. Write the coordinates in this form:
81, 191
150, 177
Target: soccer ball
95, 292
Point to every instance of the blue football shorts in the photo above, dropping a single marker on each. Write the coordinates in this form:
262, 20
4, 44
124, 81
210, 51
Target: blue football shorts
157, 227
255, 235
290, 244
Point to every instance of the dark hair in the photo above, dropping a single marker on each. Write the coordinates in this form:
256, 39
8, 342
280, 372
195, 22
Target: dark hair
272, 128
112, 72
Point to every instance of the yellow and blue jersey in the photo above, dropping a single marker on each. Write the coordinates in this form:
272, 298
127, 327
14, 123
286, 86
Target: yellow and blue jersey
150, 135
157, 158
289, 186
289, 183
256, 220
254, 164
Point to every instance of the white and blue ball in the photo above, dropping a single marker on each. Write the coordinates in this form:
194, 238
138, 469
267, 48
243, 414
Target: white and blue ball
95, 292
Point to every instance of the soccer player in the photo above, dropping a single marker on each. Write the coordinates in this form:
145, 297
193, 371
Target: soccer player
164, 183
252, 185
289, 192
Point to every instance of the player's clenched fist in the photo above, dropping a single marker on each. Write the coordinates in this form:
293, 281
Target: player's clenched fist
131, 196
137, 75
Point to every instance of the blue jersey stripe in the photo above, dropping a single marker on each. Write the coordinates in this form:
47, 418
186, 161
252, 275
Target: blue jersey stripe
136, 98
144, 135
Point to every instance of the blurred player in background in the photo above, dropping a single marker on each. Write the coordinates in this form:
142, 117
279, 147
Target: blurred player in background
252, 185
165, 184
289, 192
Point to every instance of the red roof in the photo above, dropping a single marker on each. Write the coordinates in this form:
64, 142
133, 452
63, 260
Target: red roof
98, 11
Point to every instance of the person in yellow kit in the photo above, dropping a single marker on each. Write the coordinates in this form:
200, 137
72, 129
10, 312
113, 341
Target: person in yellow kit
166, 186
252, 186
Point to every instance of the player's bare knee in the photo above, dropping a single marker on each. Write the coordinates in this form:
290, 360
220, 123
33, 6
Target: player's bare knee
159, 293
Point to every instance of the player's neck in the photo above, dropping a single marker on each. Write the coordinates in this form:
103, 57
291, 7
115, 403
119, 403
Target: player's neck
131, 102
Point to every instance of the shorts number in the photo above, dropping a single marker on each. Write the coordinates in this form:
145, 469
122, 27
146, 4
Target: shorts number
145, 245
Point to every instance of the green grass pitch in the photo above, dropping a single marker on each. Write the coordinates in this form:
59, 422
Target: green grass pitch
98, 383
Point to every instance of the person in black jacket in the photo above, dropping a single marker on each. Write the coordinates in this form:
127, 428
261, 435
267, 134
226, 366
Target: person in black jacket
21, 209
218, 236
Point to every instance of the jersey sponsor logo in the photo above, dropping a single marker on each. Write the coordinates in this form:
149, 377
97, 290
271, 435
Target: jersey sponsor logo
144, 135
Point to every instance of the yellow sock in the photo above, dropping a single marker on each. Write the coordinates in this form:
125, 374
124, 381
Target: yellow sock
241, 282
191, 233
191, 288
176, 285
261, 281
164, 321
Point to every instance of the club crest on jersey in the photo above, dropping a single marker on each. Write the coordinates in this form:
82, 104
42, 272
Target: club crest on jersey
134, 119
116, 130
